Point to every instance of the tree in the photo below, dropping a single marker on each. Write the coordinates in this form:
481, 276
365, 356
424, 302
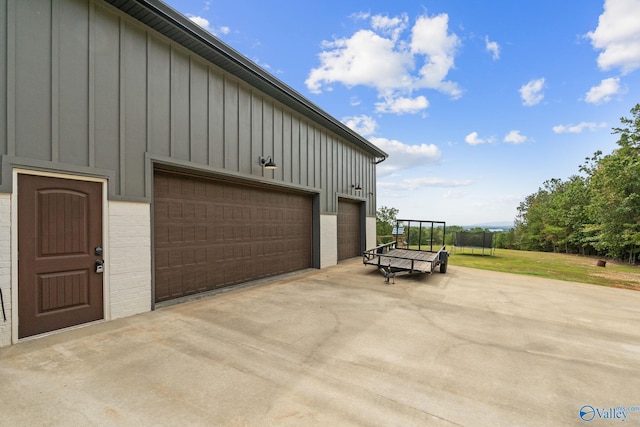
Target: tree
553, 218
385, 221
531, 220
630, 135
615, 205
451, 234
615, 188
596, 211
505, 239
576, 200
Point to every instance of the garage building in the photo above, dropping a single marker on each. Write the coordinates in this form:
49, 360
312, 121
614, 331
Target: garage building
137, 156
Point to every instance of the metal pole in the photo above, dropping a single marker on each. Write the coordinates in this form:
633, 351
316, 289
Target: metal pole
431, 247
4, 315
483, 240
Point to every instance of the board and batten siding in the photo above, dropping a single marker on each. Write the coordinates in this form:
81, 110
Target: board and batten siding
86, 86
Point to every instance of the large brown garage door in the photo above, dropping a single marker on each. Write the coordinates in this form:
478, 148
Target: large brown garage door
210, 234
349, 235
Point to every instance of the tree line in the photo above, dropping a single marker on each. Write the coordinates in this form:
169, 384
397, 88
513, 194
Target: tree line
595, 212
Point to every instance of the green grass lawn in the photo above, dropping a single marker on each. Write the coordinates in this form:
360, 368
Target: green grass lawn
573, 268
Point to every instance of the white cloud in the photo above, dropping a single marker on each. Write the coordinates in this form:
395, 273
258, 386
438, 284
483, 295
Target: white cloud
404, 156
492, 47
364, 59
402, 105
531, 93
437, 182
618, 36
266, 66
578, 128
384, 60
363, 124
360, 16
430, 37
392, 26
204, 23
474, 139
455, 194
603, 92
412, 184
514, 137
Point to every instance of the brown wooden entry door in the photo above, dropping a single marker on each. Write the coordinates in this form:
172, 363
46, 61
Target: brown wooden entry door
59, 229
349, 229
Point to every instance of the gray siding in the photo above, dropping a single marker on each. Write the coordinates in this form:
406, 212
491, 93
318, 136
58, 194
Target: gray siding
85, 86
4, 92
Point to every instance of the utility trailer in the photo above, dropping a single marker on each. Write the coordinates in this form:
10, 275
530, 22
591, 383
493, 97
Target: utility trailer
418, 247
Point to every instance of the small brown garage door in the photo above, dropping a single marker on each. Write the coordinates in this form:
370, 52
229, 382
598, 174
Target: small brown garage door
210, 234
349, 234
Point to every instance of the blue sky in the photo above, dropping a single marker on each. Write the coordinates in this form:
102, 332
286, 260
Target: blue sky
477, 103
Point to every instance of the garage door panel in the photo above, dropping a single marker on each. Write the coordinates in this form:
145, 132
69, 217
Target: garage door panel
349, 226
240, 233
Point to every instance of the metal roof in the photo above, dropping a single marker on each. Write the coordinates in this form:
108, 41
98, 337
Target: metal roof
182, 30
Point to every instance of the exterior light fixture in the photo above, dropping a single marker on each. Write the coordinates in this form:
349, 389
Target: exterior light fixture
268, 163
357, 188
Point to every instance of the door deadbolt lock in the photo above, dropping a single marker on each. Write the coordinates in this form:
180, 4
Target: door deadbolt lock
99, 266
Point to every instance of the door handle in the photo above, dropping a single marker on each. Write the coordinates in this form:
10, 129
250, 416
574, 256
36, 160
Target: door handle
99, 266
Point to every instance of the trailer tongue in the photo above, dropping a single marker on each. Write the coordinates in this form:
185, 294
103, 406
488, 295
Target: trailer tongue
418, 247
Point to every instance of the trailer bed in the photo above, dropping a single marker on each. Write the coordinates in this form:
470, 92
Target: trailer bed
405, 259
399, 256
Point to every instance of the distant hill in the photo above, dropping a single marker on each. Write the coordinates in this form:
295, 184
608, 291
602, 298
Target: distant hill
493, 226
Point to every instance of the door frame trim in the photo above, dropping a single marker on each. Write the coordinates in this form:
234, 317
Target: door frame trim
106, 298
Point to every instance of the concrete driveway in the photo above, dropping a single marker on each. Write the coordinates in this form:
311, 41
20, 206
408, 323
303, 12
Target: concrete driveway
339, 347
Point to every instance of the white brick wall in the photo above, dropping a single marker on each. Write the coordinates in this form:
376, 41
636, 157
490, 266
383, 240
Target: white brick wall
371, 233
5, 267
328, 240
129, 258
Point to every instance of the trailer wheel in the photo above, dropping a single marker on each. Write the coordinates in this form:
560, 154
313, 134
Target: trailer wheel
444, 260
443, 267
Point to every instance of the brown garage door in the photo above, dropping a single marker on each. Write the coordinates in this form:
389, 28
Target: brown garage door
210, 234
59, 244
349, 234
